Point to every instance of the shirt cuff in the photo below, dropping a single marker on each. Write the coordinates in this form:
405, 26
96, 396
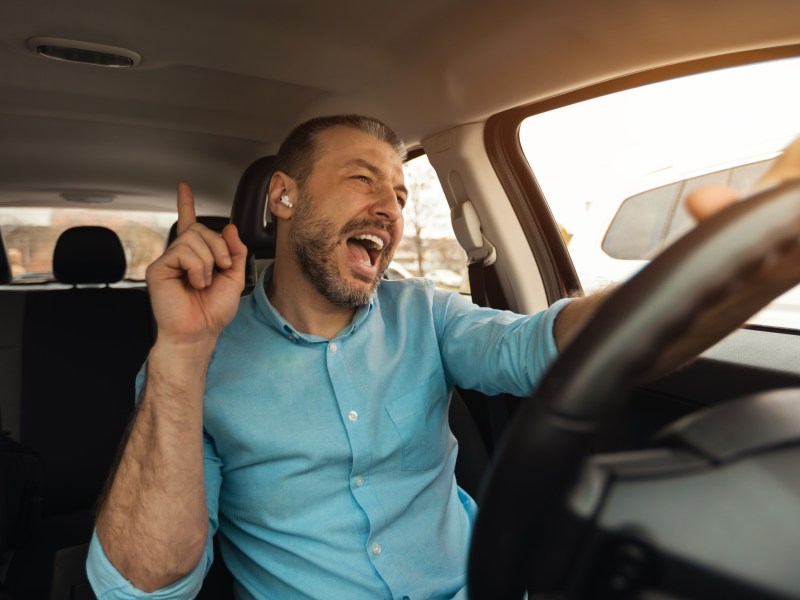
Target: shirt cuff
544, 349
109, 584
551, 315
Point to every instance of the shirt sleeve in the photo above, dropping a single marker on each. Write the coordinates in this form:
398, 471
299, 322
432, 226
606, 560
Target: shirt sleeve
494, 351
109, 584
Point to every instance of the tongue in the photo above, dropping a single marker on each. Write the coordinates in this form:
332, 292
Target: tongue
358, 251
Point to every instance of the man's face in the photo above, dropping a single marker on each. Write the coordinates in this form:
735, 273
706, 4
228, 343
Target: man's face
348, 219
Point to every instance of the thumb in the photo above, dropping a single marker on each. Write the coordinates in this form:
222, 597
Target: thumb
237, 249
704, 201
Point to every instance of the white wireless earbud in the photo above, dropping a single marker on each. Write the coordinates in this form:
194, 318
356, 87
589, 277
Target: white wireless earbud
285, 201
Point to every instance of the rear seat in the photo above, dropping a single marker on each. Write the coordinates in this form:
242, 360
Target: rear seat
21, 473
80, 350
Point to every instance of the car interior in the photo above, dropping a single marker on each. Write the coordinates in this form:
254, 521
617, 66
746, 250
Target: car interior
613, 479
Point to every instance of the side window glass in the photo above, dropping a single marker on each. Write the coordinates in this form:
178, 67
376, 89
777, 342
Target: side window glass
616, 169
429, 247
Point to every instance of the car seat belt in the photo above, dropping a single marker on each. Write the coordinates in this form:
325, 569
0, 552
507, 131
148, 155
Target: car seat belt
485, 290
484, 286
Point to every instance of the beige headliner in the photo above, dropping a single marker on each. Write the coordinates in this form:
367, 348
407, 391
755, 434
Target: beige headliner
220, 83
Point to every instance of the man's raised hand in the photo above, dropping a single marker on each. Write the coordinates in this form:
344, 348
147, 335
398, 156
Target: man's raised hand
195, 285
153, 524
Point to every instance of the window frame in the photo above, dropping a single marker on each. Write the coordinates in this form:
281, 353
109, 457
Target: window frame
501, 136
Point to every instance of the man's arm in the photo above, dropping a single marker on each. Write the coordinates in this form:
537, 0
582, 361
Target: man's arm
153, 523
575, 314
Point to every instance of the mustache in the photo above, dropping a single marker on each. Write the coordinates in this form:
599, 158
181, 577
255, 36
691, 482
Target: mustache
369, 224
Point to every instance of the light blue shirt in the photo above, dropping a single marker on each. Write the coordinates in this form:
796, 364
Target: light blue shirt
329, 463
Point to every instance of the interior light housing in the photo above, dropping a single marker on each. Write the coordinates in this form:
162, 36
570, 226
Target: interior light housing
87, 53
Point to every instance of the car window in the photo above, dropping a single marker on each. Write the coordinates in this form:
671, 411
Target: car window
429, 247
615, 170
30, 236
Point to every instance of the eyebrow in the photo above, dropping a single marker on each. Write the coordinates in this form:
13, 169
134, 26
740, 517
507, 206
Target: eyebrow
360, 162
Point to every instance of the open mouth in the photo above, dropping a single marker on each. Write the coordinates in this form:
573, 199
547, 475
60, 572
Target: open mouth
365, 250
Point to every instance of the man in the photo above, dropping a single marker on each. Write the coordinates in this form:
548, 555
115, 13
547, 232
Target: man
308, 421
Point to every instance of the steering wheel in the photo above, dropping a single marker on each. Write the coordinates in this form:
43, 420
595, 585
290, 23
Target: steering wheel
691, 296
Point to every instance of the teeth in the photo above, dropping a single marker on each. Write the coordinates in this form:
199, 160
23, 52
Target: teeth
378, 242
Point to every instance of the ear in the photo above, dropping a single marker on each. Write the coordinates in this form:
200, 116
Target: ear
279, 185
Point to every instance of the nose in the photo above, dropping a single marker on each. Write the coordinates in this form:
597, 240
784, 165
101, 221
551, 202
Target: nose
386, 205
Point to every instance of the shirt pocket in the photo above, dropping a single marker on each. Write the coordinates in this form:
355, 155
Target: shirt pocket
420, 419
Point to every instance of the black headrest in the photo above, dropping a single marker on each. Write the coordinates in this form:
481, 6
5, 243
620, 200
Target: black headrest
213, 223
5, 266
249, 212
88, 254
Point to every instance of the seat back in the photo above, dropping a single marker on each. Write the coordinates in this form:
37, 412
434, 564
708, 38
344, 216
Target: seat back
12, 304
6, 515
218, 224
21, 494
250, 213
82, 348
21, 472
5, 265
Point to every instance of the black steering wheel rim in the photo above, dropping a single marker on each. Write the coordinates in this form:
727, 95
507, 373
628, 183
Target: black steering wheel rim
691, 296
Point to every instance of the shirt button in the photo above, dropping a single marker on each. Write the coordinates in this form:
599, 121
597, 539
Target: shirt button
353, 416
333, 347
376, 549
359, 481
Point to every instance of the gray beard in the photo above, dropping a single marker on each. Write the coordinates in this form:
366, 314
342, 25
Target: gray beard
314, 242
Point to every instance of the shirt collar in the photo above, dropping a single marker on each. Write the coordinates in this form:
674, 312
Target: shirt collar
278, 322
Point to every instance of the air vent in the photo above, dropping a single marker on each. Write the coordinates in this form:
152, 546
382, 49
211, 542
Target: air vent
87, 53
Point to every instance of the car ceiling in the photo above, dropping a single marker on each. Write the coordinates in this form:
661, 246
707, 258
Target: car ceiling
220, 84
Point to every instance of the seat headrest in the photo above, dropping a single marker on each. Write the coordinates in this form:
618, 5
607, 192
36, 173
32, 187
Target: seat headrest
213, 223
88, 254
249, 211
218, 224
5, 266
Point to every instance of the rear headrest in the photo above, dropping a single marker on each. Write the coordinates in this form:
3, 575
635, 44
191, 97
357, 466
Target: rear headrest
249, 212
213, 223
5, 266
88, 254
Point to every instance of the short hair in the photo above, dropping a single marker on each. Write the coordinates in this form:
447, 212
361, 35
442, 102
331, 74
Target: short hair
299, 151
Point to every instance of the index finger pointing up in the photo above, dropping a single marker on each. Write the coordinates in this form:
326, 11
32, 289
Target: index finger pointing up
186, 215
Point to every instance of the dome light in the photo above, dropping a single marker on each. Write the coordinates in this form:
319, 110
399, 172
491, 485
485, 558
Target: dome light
87, 53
